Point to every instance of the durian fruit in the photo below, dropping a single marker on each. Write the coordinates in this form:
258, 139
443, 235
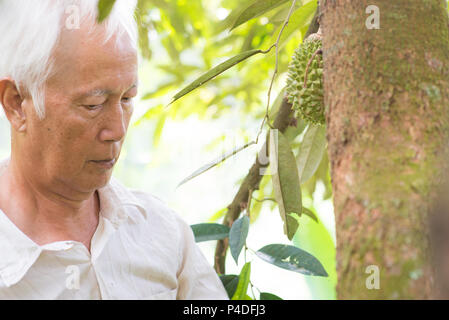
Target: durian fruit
307, 101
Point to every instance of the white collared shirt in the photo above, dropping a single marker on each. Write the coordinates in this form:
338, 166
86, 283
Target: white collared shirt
141, 249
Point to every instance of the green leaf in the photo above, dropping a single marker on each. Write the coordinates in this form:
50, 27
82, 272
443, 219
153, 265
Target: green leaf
292, 258
269, 296
310, 213
158, 130
242, 286
293, 131
217, 215
322, 173
215, 72
160, 90
256, 9
209, 231
287, 191
151, 113
281, 13
299, 19
104, 9
256, 204
256, 207
311, 151
230, 282
274, 110
237, 236
214, 163
143, 28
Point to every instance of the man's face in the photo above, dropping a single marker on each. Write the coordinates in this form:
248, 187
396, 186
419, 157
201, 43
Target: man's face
88, 108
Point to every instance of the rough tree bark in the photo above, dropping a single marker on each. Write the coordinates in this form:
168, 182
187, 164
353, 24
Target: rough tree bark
387, 101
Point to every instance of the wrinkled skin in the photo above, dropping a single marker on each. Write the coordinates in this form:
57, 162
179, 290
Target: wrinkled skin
49, 188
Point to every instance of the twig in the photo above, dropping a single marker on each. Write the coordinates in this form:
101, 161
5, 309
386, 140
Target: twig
251, 284
265, 199
318, 51
251, 182
252, 291
253, 177
248, 208
266, 117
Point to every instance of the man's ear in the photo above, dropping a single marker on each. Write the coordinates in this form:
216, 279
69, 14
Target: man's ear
11, 100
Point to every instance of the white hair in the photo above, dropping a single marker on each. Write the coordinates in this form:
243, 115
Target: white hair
30, 30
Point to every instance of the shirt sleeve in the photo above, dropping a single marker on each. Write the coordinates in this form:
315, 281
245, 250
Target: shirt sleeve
197, 280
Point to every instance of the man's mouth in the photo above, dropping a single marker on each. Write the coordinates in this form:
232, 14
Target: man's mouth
107, 163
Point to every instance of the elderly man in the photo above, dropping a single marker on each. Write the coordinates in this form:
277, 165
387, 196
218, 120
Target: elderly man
67, 229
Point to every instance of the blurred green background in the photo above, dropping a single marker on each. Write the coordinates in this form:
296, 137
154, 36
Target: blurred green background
180, 40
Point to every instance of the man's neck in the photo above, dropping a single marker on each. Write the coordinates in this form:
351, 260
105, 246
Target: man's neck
46, 217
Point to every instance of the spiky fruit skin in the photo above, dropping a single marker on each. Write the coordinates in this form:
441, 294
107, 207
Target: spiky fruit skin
307, 101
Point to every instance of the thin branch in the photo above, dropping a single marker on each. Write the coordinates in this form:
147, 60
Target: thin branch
251, 182
248, 208
265, 199
266, 117
253, 178
252, 291
276, 66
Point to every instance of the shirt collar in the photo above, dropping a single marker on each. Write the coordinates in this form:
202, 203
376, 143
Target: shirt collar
18, 252
114, 197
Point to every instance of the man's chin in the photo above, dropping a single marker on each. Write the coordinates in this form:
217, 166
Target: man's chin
104, 180
97, 181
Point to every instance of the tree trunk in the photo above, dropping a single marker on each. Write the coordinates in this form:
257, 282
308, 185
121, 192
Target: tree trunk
387, 101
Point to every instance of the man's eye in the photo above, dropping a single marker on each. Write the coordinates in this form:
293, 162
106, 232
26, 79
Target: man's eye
92, 107
127, 99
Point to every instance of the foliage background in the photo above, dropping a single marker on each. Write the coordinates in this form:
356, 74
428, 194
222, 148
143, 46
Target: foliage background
166, 144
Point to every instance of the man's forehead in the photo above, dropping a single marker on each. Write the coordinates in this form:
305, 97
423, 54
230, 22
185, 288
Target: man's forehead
88, 59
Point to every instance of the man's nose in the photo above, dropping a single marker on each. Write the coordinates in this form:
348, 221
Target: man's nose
115, 125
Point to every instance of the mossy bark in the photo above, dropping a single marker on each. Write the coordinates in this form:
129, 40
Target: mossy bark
387, 101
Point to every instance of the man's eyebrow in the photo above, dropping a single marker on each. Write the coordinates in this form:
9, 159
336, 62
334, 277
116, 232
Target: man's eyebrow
102, 92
